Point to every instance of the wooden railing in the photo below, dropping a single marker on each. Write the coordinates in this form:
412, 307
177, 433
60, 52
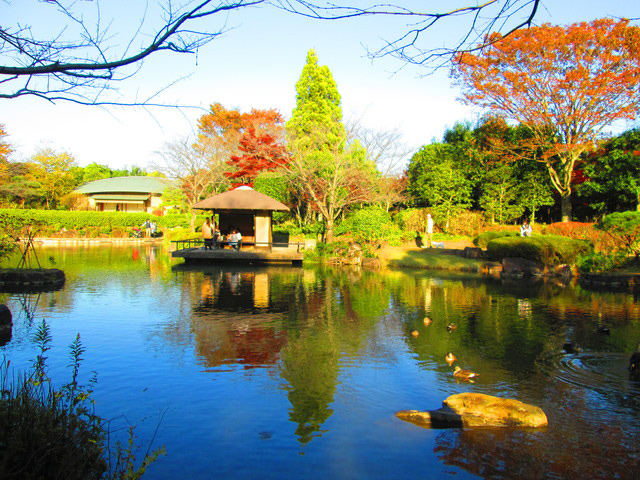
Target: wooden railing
198, 242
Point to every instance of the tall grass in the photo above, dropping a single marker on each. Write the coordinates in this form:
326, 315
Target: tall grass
49, 433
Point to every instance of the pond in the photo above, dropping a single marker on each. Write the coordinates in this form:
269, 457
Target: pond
279, 372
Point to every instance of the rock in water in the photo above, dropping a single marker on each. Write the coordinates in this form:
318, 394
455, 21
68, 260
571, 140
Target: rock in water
478, 410
5, 316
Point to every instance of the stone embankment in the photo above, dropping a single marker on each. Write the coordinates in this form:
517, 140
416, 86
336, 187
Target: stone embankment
31, 279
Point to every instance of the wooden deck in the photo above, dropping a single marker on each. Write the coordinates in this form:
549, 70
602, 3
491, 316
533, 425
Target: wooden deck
274, 254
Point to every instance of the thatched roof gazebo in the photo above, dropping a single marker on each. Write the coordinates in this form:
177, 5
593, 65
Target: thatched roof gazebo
246, 210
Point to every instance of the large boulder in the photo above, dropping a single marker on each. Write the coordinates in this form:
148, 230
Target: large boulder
478, 410
520, 267
473, 252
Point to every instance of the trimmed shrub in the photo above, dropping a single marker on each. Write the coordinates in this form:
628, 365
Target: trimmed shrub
412, 220
483, 239
371, 225
56, 220
466, 223
547, 250
601, 262
580, 231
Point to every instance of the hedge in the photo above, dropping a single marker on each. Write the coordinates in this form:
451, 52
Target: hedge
59, 219
483, 239
543, 249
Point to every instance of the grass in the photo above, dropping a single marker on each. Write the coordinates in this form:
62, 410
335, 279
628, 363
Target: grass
430, 258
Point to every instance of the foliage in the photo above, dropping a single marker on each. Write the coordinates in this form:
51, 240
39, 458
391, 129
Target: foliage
565, 84
483, 239
55, 433
543, 249
601, 262
259, 152
325, 171
436, 180
327, 250
613, 174
466, 223
412, 219
500, 194
580, 231
59, 219
624, 228
371, 225
53, 171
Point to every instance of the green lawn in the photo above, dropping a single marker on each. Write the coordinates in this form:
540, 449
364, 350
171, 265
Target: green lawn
433, 258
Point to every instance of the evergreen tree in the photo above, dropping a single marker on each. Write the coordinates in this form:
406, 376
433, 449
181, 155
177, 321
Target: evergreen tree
322, 167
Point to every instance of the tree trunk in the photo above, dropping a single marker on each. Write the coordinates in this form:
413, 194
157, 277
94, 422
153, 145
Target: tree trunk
565, 202
192, 224
328, 232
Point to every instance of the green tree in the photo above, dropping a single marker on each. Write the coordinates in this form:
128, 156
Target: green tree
535, 189
95, 171
329, 172
53, 171
500, 195
613, 174
437, 181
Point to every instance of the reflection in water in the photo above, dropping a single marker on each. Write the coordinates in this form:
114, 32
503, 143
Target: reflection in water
254, 364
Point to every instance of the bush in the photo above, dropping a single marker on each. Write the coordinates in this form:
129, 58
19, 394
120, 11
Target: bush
483, 239
371, 225
624, 228
412, 220
466, 223
580, 231
56, 220
547, 250
601, 262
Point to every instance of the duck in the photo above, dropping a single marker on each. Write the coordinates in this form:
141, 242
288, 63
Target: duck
464, 374
570, 347
451, 327
427, 321
450, 358
604, 330
415, 333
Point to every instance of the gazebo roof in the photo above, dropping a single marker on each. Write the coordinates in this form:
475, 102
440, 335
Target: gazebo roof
241, 198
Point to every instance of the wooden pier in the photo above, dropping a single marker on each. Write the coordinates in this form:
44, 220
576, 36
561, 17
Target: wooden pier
193, 252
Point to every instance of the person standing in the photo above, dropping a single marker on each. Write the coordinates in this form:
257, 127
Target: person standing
429, 230
207, 234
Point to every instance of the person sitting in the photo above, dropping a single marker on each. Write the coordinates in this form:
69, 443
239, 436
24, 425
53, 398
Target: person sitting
235, 239
525, 229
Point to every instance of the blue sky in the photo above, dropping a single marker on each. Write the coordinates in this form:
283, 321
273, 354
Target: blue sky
255, 64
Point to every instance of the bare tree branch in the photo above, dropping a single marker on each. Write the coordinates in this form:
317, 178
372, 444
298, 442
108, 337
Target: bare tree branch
87, 56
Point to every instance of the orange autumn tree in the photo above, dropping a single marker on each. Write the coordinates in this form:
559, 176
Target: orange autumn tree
565, 84
248, 142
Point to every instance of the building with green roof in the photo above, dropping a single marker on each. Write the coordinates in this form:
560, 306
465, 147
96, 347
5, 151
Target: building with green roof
126, 194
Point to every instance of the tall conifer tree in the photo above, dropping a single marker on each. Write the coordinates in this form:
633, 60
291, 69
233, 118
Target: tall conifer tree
323, 167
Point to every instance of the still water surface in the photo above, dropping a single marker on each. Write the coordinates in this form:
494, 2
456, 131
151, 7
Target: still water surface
286, 372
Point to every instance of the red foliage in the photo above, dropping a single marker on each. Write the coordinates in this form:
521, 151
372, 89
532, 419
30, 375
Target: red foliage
581, 231
260, 152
